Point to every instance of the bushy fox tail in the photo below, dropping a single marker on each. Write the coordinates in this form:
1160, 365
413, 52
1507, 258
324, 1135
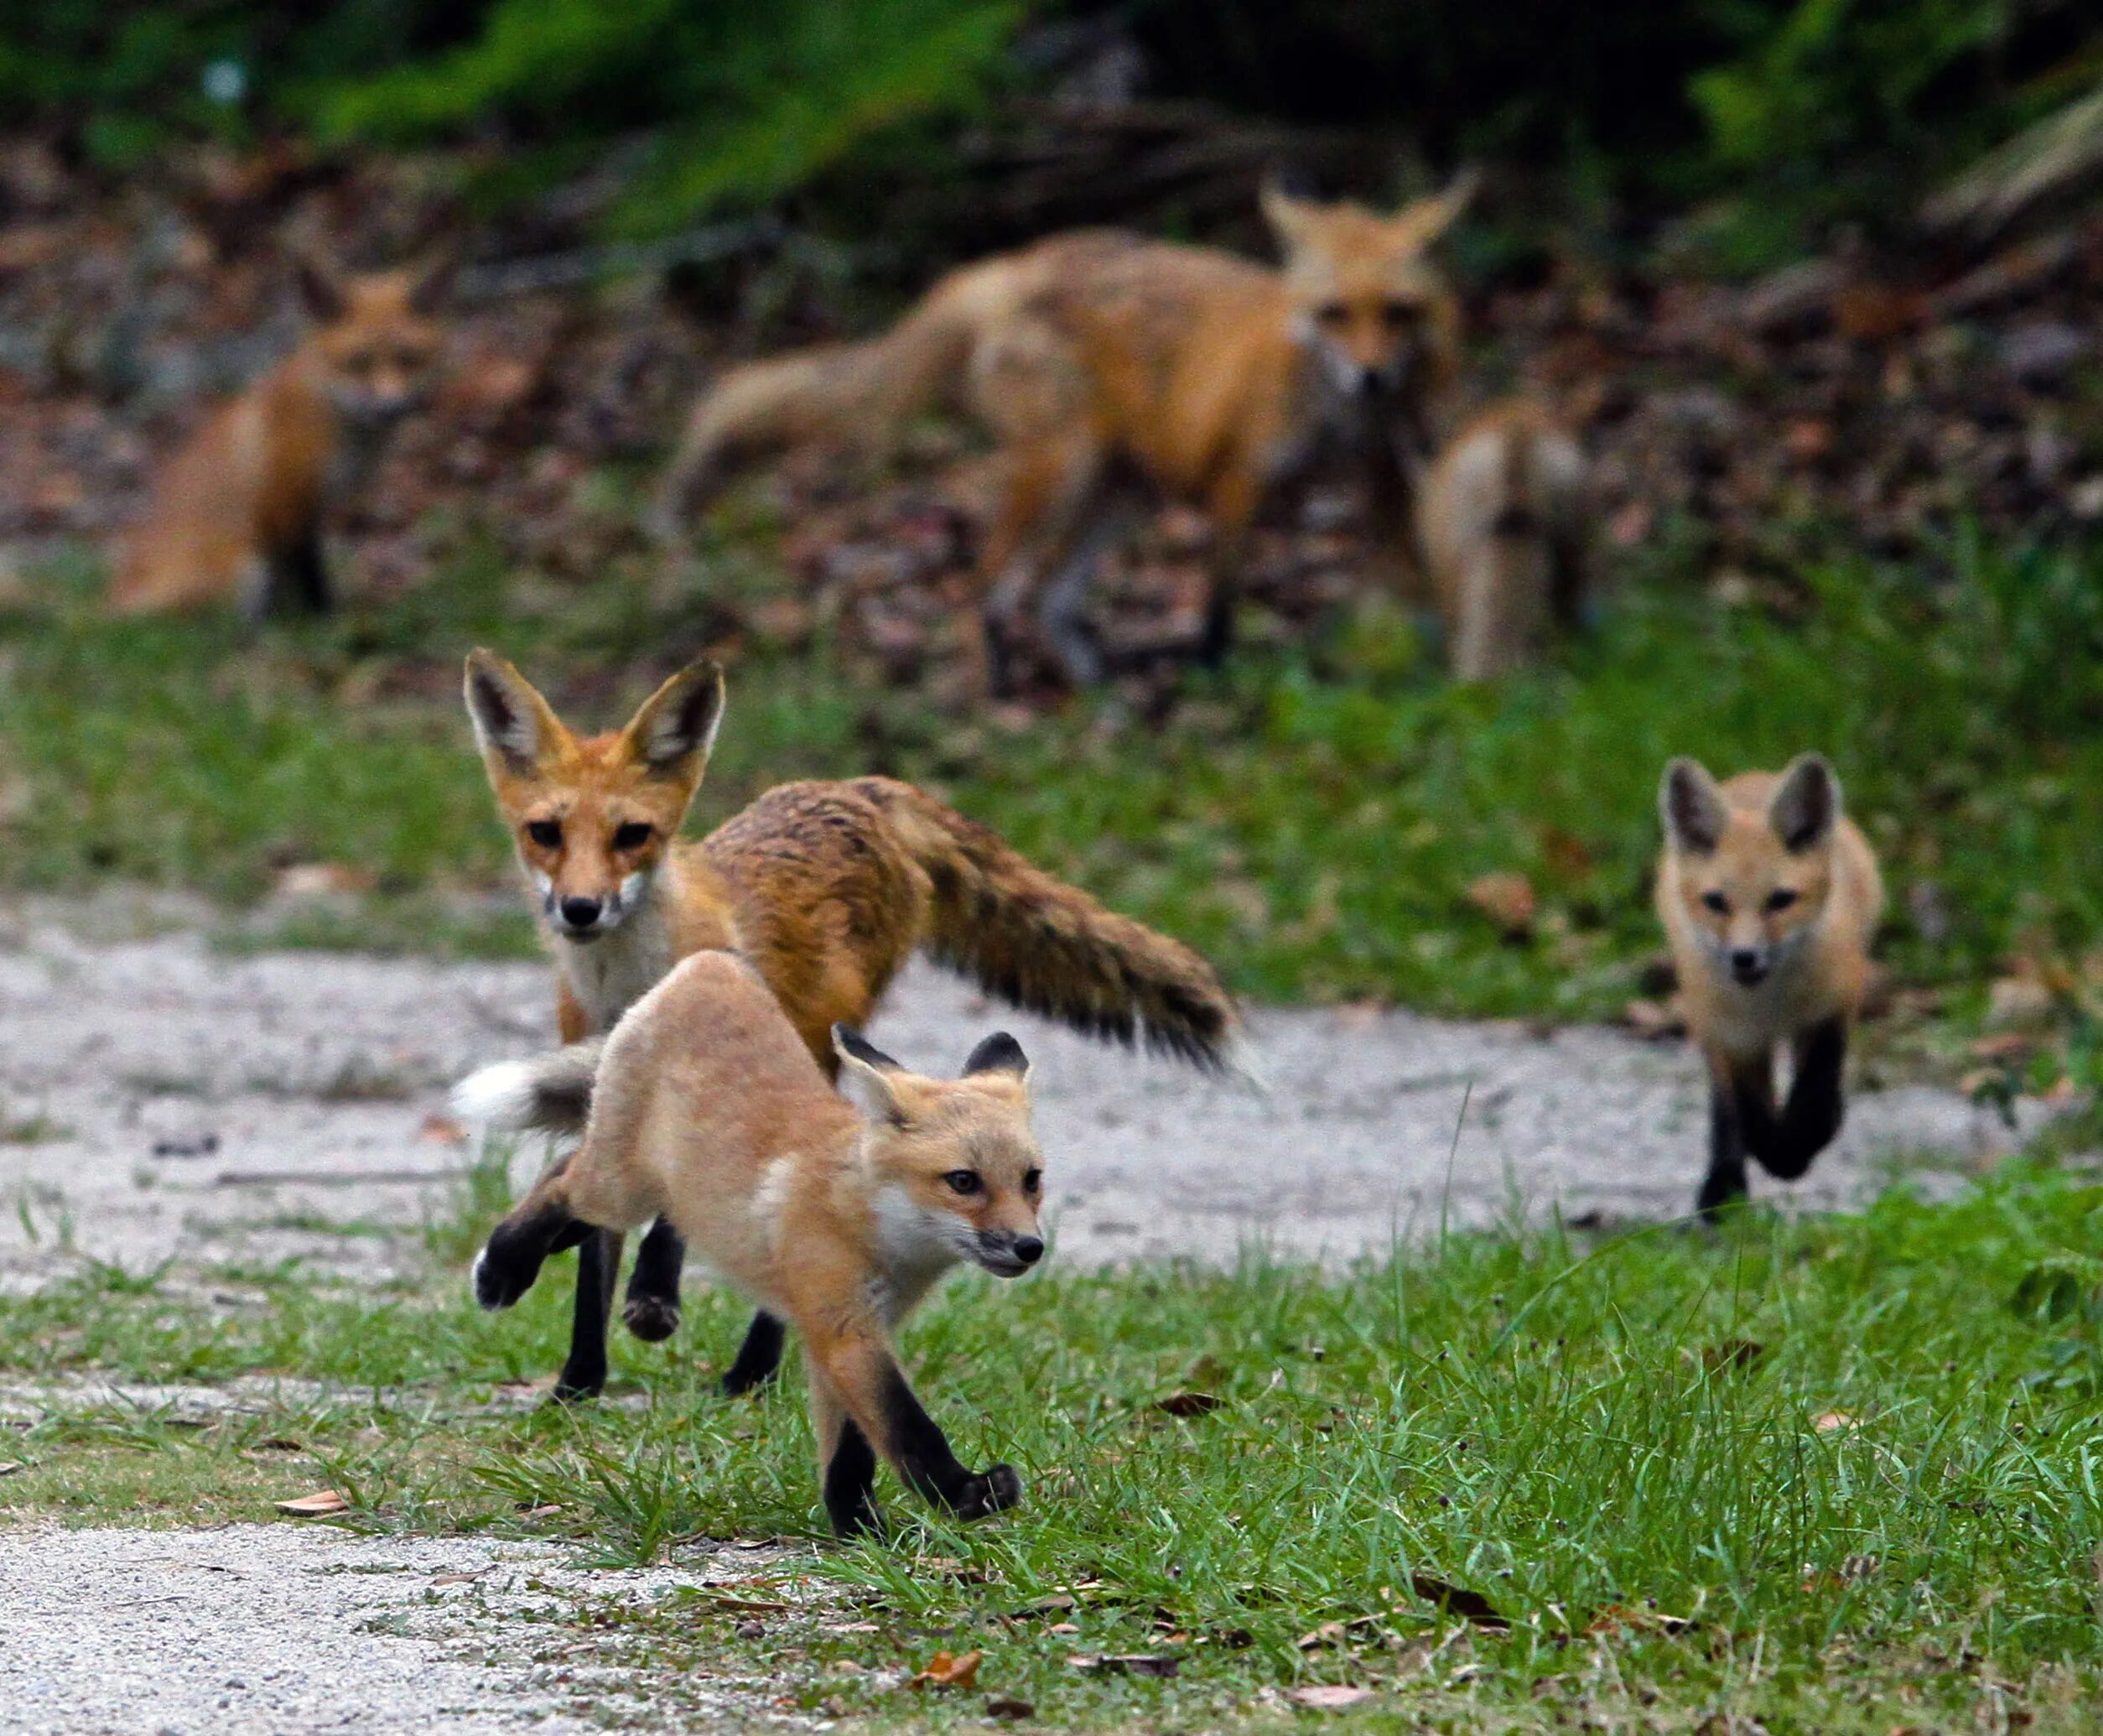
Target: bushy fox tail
847, 391
1034, 941
549, 1093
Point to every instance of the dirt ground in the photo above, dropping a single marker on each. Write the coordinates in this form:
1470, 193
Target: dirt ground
166, 1101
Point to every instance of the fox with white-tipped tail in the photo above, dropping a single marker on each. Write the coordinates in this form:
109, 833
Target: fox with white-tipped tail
705, 1108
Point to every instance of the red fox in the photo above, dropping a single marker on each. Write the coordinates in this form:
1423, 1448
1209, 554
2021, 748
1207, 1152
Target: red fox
708, 1111
236, 515
1101, 360
826, 888
1770, 896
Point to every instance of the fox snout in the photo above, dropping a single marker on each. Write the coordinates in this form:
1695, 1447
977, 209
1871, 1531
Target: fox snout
1749, 965
1006, 1253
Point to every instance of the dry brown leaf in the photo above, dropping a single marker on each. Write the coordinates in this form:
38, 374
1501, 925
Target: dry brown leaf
1731, 1354
1628, 1618
320, 1504
442, 1131
454, 1578
1835, 1422
1324, 1698
323, 880
9, 1467
1010, 1711
1508, 900
1190, 1404
947, 1670
1332, 1634
1458, 1600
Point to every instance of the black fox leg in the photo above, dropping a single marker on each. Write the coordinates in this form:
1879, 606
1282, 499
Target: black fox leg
651, 1310
922, 1452
1815, 1109
584, 1376
758, 1357
300, 579
516, 1249
1724, 1183
850, 1484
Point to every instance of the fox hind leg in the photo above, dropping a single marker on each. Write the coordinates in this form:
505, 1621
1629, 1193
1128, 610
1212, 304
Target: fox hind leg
651, 1309
584, 1373
758, 1357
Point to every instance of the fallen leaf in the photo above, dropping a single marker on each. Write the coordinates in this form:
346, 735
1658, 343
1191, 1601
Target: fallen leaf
10, 1466
1731, 1354
1012, 1711
1332, 1633
1189, 1404
2021, 1002
323, 880
1835, 1422
1458, 1600
455, 1578
1617, 1618
442, 1131
1136, 1663
318, 1506
1326, 1698
1507, 900
946, 1670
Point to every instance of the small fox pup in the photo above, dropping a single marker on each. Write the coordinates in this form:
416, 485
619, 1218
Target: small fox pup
708, 1111
827, 889
1770, 896
1102, 363
236, 515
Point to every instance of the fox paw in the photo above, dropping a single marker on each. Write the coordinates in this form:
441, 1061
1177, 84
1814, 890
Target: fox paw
496, 1287
651, 1318
994, 1491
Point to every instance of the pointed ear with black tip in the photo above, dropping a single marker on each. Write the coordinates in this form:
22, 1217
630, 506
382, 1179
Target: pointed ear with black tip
671, 736
1692, 806
1289, 216
866, 1074
321, 290
1806, 804
431, 280
998, 1054
516, 728
1427, 218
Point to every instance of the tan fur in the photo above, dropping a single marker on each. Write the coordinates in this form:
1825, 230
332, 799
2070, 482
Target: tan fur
238, 508
1096, 354
708, 1111
1820, 943
828, 888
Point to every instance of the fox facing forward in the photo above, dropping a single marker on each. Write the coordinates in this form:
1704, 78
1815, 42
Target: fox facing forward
236, 515
708, 1111
1109, 368
1770, 897
826, 888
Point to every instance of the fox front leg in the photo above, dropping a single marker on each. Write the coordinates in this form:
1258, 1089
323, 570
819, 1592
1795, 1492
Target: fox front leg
1815, 1106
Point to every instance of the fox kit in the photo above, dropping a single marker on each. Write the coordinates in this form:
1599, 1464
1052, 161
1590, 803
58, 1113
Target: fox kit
236, 515
1101, 362
708, 1111
827, 889
1770, 896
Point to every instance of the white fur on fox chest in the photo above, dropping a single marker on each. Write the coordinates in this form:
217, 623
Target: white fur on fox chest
1753, 1020
610, 974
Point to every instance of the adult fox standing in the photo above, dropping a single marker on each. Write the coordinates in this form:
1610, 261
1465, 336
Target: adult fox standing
1105, 365
236, 515
827, 889
1769, 896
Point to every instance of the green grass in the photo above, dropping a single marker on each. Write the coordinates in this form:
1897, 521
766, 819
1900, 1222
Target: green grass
1312, 818
1828, 1474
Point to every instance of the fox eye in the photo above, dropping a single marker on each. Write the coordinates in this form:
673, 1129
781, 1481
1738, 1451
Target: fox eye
1332, 312
1717, 902
546, 834
1032, 1179
1780, 899
963, 1181
1399, 312
633, 835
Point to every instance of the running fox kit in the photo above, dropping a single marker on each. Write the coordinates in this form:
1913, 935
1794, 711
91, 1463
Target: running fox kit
1106, 367
236, 515
1770, 896
708, 1110
826, 889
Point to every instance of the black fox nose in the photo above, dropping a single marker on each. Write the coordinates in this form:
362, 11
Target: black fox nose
580, 912
1368, 381
1745, 963
1029, 1249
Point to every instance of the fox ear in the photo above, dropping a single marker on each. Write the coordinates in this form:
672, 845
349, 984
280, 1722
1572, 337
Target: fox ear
1692, 806
998, 1054
672, 734
1287, 214
1426, 220
320, 287
516, 728
866, 1074
1806, 804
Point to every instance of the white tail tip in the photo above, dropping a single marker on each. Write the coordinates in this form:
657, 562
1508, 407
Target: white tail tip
502, 1095
1245, 1065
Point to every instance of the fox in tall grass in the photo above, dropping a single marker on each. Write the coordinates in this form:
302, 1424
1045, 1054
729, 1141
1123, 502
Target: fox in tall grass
236, 515
1770, 897
706, 1110
1109, 368
826, 888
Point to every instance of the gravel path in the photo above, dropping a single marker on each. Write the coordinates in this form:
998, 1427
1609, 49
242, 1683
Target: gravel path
164, 1102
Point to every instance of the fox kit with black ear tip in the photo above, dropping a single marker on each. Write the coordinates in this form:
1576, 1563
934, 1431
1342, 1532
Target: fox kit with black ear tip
236, 515
708, 1110
1770, 897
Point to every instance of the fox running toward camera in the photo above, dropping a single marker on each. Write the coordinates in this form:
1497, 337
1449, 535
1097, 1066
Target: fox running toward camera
236, 515
708, 1111
1770, 896
826, 888
1108, 367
